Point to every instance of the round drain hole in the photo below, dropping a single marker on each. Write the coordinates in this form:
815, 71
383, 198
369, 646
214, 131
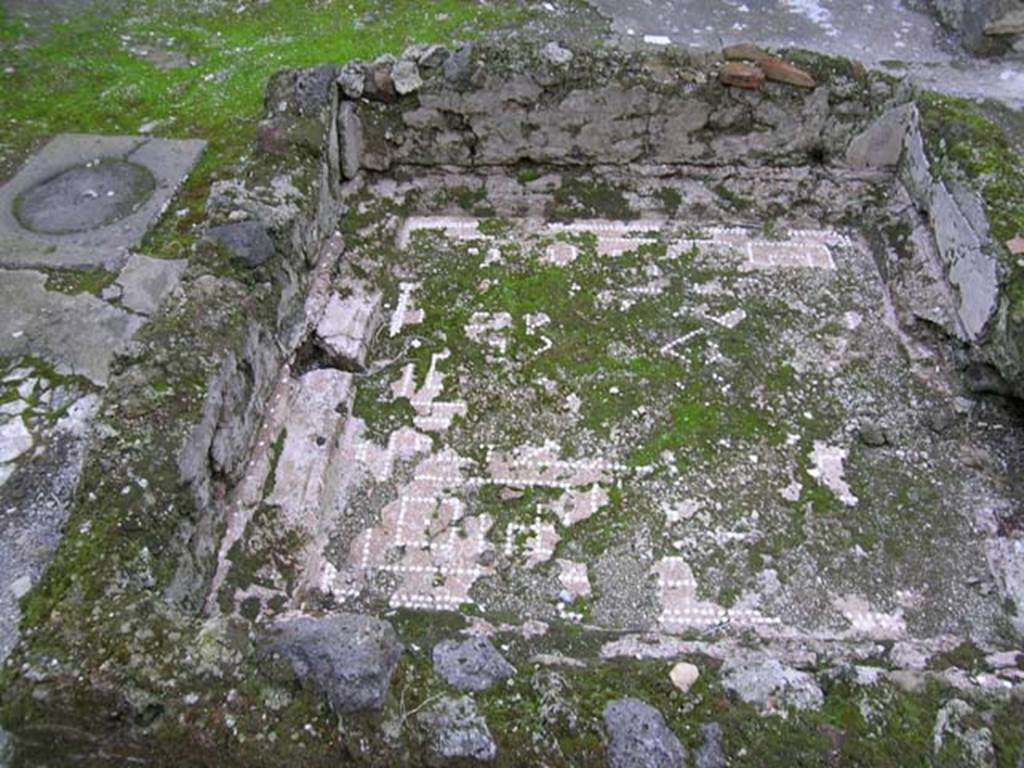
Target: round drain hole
85, 197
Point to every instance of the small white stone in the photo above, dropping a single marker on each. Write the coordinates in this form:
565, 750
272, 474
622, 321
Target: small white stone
684, 675
17, 375
556, 54
15, 439
21, 586
868, 675
13, 408
406, 77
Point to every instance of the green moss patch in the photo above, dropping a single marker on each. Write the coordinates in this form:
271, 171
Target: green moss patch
92, 281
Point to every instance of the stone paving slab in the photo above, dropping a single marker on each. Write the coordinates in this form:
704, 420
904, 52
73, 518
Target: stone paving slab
145, 282
97, 167
78, 334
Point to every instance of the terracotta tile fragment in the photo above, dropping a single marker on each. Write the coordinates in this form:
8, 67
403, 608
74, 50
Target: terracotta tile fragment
740, 75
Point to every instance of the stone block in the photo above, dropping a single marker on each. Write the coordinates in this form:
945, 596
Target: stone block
347, 326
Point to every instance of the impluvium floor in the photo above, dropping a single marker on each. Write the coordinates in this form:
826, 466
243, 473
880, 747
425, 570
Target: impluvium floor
664, 424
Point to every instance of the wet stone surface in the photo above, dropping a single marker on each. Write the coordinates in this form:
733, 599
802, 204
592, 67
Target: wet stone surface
85, 197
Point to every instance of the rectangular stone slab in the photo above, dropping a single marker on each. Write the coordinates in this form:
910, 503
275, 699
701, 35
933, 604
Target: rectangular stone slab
168, 161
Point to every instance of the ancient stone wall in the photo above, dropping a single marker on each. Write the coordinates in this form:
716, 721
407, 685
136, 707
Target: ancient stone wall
300, 106
481, 107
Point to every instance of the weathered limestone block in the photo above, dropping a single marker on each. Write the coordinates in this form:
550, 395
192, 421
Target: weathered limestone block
347, 326
424, 118
313, 426
964, 250
770, 686
427, 55
673, 132
146, 281
555, 54
456, 731
304, 92
79, 334
972, 270
881, 145
380, 84
352, 79
15, 439
406, 77
350, 139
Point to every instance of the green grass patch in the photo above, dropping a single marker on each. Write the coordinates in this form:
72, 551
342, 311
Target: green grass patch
276, 449
579, 198
737, 201
960, 136
91, 281
964, 140
10, 29
106, 86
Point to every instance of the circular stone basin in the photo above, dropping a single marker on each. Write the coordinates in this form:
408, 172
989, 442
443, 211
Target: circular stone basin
85, 197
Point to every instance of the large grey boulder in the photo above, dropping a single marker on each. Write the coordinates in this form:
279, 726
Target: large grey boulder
246, 240
471, 665
639, 738
771, 686
350, 657
457, 731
